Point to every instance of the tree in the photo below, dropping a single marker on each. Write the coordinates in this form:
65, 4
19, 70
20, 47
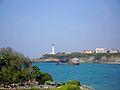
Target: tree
39, 76
14, 67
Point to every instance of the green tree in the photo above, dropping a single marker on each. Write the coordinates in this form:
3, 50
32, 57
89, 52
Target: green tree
39, 76
14, 67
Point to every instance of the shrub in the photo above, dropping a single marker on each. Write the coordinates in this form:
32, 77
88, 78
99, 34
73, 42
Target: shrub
69, 87
74, 82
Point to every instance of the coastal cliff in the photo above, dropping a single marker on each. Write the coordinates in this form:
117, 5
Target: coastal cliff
76, 58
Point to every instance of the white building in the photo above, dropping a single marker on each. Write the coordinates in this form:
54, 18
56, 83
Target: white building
101, 50
112, 50
105, 50
53, 49
88, 51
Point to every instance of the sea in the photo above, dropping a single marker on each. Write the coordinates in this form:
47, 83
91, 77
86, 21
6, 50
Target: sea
98, 76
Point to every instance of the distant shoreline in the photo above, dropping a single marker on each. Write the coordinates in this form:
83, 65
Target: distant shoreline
78, 58
79, 63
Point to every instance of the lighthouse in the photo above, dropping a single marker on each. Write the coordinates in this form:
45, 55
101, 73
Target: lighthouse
53, 49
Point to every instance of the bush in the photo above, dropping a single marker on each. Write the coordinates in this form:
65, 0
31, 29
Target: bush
74, 82
39, 76
69, 87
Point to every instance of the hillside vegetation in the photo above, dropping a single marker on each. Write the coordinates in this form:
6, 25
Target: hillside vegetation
15, 68
82, 57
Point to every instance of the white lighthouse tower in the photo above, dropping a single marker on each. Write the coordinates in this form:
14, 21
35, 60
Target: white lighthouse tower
53, 49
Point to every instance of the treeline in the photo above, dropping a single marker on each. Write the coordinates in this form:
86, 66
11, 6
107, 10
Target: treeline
84, 56
15, 68
80, 55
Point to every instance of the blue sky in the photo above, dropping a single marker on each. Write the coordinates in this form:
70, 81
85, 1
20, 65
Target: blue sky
32, 26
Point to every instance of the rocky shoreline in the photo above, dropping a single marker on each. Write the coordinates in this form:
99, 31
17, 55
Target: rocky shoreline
45, 87
78, 60
85, 87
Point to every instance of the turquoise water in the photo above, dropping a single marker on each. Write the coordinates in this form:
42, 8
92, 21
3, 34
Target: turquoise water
99, 76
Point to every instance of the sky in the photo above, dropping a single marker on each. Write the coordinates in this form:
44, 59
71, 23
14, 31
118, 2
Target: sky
32, 26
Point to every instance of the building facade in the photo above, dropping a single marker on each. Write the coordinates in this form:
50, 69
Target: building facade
105, 50
113, 50
88, 51
101, 50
